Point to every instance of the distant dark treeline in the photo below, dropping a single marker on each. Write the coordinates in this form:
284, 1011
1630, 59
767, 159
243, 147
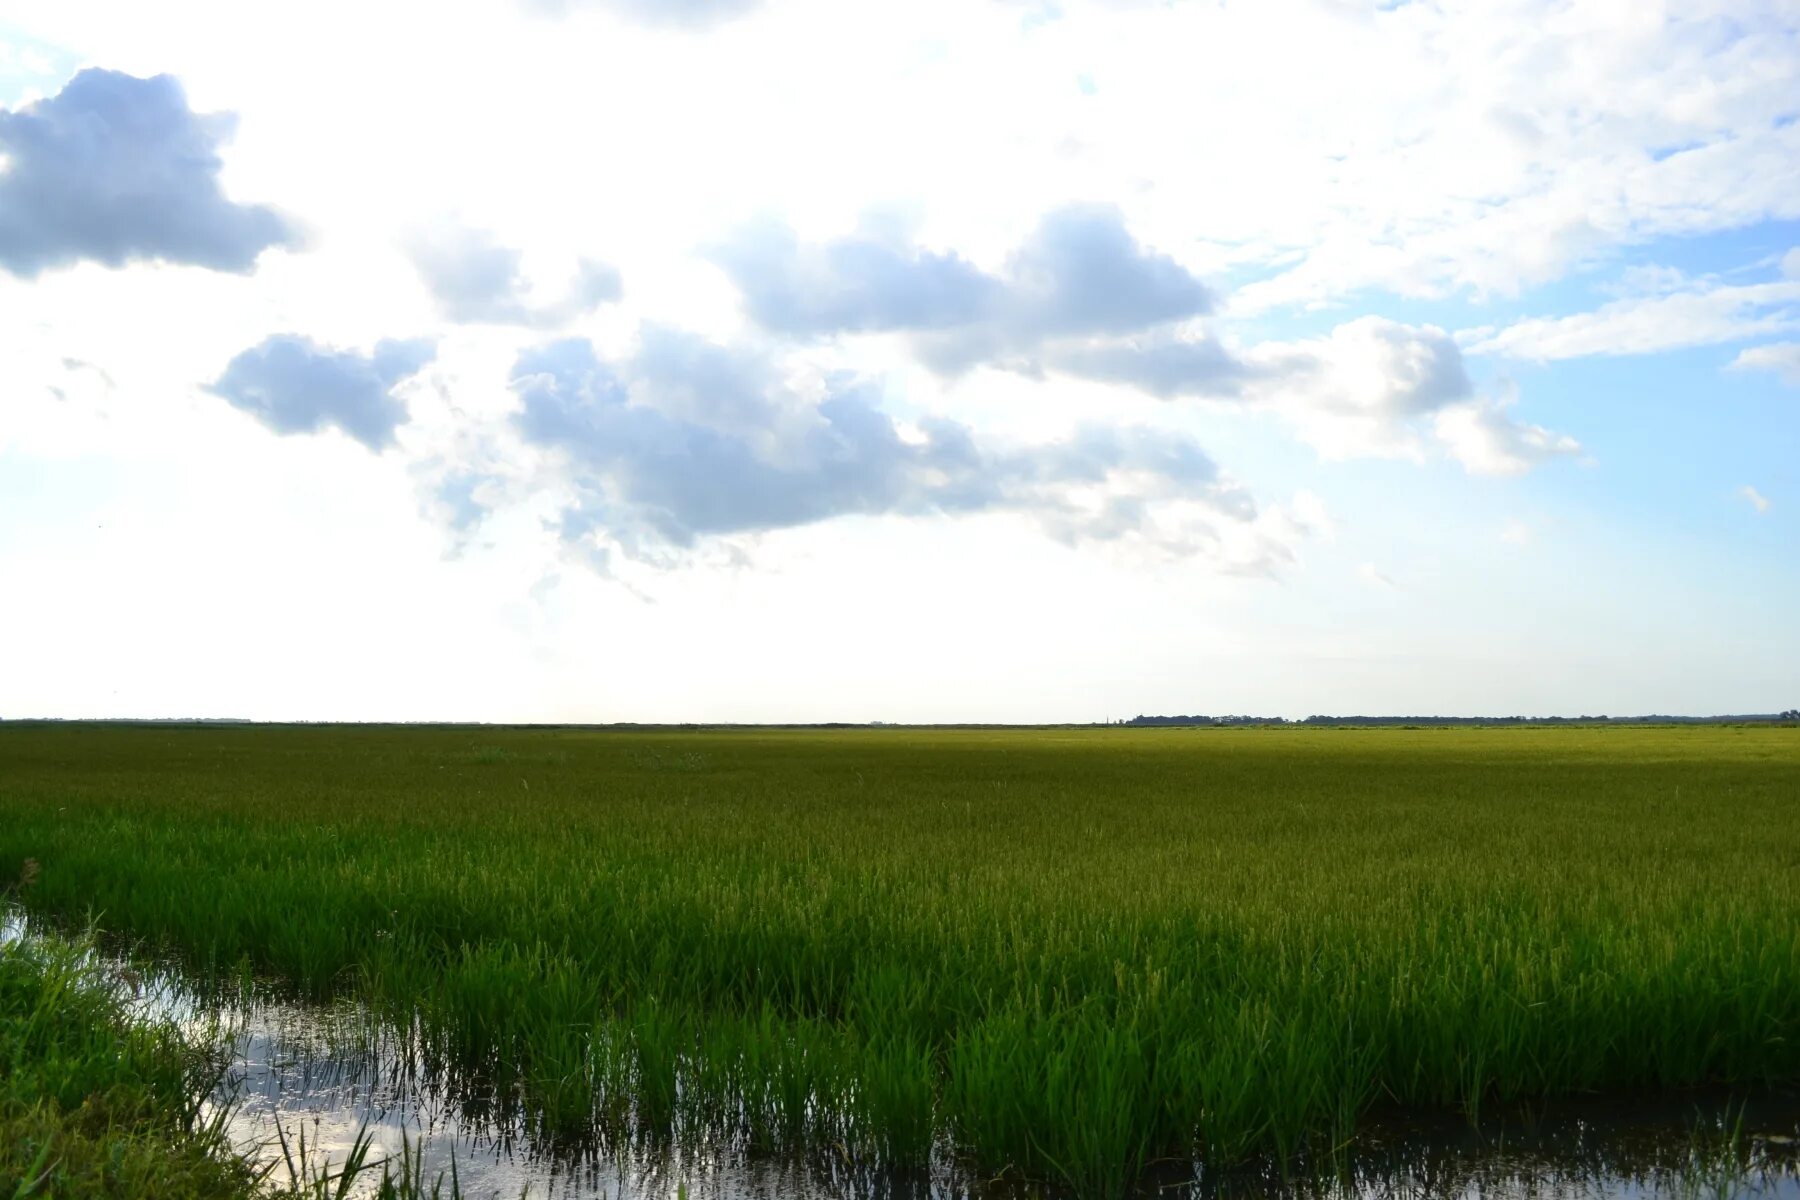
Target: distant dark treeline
1653, 719
1790, 715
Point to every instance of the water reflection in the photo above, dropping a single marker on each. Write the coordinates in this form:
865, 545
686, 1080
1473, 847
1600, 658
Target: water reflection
327, 1075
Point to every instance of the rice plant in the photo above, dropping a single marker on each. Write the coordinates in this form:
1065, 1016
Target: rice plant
1059, 954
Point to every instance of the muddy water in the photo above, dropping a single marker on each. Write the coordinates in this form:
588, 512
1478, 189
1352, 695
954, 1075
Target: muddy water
306, 1082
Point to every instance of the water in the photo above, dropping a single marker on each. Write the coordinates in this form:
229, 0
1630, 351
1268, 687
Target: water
320, 1077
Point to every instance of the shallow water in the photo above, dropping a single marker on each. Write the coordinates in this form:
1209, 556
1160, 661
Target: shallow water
305, 1082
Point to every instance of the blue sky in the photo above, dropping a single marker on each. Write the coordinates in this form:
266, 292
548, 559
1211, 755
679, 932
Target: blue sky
787, 360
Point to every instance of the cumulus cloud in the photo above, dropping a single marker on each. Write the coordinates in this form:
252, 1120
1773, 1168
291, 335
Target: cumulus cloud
1165, 367
474, 278
1485, 439
870, 282
1362, 389
1378, 388
1079, 274
1757, 500
1369, 387
293, 385
1370, 368
1081, 298
1783, 358
116, 169
687, 440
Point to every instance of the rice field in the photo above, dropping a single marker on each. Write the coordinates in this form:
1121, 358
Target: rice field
1061, 954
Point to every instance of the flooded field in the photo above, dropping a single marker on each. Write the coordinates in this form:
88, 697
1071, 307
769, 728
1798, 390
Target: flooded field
1710, 1144
308, 1086
1700, 1145
967, 963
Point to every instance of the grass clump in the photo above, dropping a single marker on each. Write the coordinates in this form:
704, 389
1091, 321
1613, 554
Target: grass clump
1063, 953
98, 1100
94, 1102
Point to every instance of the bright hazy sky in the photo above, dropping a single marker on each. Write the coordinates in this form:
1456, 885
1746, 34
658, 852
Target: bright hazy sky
944, 360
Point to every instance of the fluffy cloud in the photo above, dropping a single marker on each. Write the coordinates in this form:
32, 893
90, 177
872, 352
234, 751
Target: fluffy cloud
293, 385
871, 282
1363, 388
1783, 358
1081, 298
1079, 274
1165, 367
117, 169
1374, 387
687, 440
1487, 441
474, 278
1370, 387
1757, 500
1369, 370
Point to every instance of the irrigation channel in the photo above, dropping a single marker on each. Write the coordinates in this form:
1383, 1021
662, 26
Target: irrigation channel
307, 1082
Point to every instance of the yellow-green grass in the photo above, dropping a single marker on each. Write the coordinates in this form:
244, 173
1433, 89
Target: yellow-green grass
1068, 952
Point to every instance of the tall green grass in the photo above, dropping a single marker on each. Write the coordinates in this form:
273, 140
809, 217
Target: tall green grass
94, 1102
100, 1098
1066, 953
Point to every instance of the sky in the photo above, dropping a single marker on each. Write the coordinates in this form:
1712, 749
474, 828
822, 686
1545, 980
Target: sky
956, 360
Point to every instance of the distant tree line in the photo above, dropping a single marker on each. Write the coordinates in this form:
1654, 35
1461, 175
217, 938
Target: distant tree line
1792, 714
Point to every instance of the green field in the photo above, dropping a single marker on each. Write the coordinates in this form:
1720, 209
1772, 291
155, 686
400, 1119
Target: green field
1068, 952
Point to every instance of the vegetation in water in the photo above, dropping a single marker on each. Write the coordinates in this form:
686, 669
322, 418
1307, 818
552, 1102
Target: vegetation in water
1064, 953
99, 1098
93, 1102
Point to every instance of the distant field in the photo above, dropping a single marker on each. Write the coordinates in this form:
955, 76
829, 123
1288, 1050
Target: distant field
1070, 952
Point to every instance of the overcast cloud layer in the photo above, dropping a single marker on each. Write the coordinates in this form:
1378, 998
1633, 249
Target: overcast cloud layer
1035, 359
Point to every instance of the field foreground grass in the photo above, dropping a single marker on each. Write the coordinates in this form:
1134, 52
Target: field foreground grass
93, 1103
1066, 952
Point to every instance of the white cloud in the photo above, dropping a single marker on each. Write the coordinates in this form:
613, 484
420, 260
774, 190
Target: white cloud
1487, 441
1377, 388
1362, 389
1783, 358
1757, 500
686, 443
1516, 533
295, 386
117, 169
1421, 149
1701, 313
1369, 574
675, 14
1082, 298
474, 278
